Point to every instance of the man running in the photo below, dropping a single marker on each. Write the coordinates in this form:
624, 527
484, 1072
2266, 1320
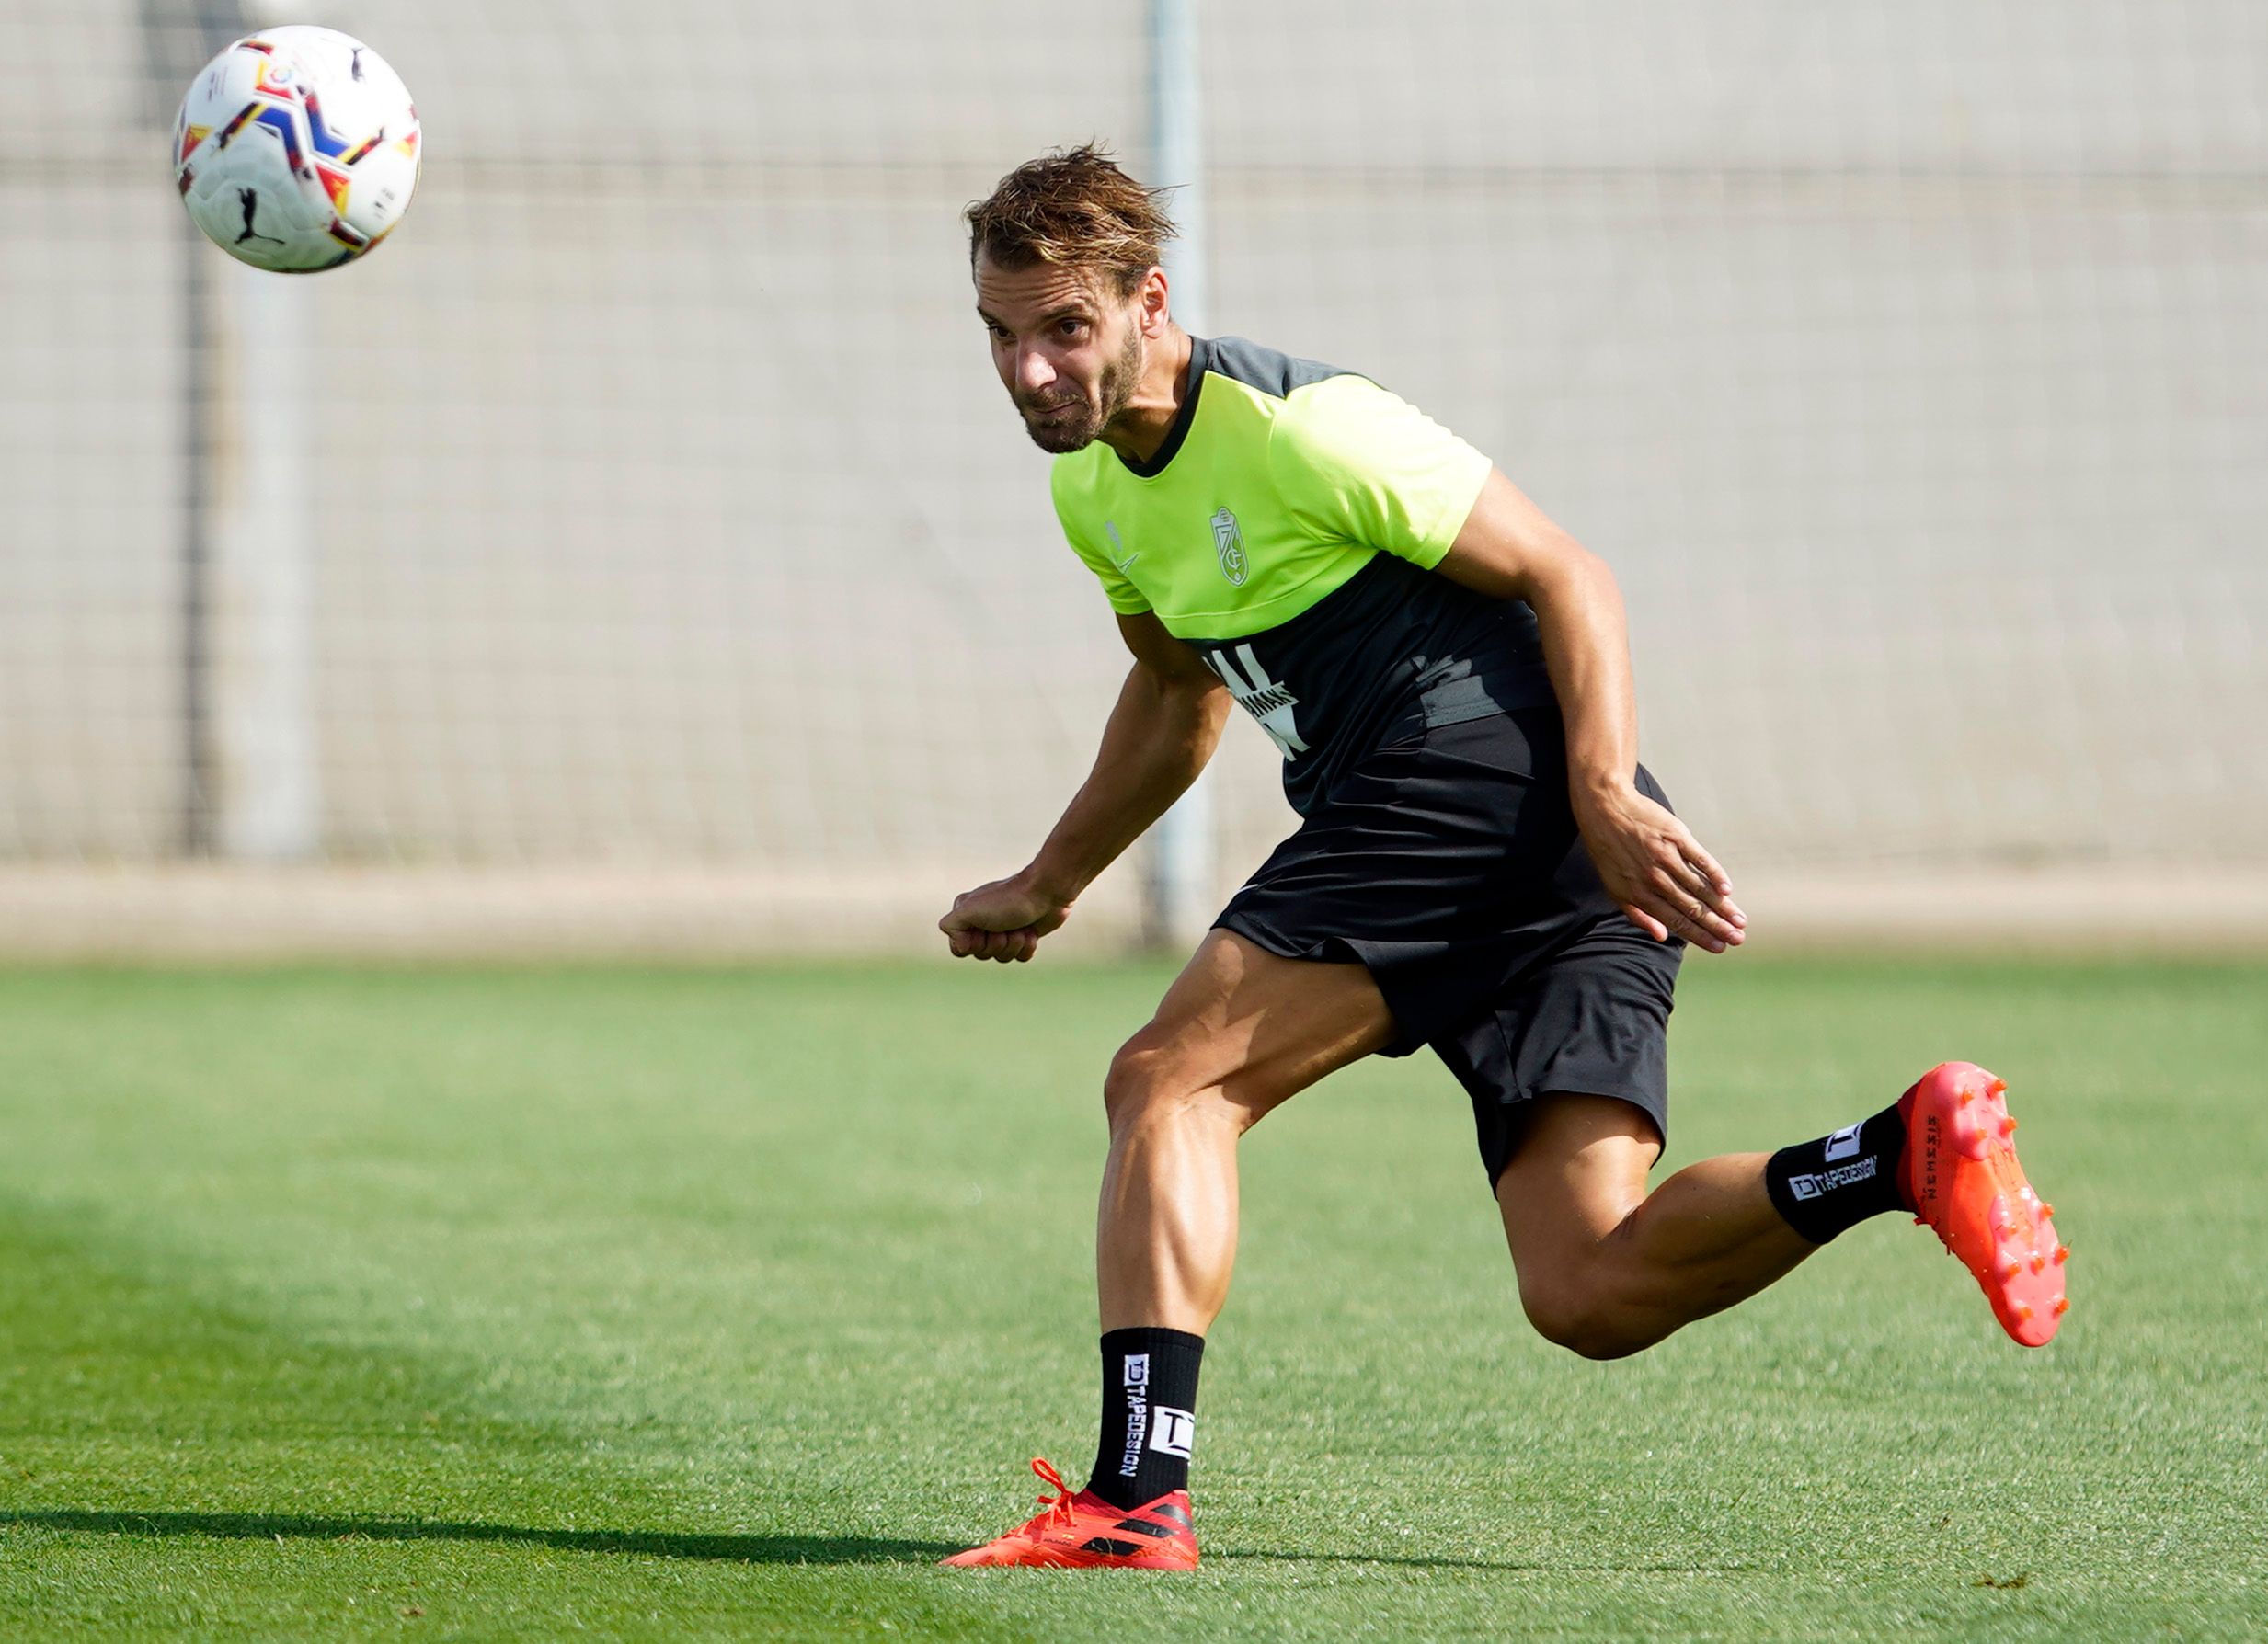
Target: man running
1482, 866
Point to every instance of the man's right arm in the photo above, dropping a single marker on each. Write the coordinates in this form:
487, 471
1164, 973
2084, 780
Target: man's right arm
1159, 737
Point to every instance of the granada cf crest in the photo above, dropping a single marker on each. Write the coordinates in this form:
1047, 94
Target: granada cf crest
1230, 542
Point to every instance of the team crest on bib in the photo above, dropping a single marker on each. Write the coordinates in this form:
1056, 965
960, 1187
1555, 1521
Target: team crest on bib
1230, 542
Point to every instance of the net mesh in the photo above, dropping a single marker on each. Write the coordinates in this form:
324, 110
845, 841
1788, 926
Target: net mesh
650, 500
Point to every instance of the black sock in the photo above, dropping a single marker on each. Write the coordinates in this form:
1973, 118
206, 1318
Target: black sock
1150, 1380
1824, 1187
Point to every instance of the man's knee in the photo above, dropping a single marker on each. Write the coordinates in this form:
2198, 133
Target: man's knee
1145, 1083
1151, 1083
1578, 1317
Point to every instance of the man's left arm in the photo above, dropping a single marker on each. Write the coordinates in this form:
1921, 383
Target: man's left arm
1650, 862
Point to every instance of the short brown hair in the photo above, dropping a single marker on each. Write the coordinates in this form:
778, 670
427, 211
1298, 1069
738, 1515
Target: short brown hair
1077, 208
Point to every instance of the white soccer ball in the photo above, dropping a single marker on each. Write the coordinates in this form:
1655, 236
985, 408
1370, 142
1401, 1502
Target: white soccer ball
296, 149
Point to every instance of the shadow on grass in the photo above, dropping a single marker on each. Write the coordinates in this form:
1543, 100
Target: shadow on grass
657, 1543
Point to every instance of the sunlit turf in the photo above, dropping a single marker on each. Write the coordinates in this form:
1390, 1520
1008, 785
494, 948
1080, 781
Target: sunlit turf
686, 1304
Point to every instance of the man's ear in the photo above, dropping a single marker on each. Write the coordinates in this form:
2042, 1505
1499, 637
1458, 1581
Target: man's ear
1152, 298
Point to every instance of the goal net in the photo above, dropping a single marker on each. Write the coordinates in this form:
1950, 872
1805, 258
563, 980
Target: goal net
647, 504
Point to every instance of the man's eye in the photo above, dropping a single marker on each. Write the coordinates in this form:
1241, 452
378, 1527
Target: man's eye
1071, 327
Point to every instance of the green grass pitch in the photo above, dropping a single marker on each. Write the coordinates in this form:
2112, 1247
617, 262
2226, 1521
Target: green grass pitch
687, 1304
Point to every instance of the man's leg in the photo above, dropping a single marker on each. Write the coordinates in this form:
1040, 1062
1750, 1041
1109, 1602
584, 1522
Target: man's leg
1605, 1268
1238, 1033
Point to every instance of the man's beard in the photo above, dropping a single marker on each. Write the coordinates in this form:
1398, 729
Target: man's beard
1078, 428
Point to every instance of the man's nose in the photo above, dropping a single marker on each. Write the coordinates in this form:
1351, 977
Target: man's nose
1033, 371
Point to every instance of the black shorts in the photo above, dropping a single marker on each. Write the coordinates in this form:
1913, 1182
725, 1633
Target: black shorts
1450, 865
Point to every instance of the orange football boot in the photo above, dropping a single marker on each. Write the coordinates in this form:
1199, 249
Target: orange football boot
1961, 1177
1084, 1532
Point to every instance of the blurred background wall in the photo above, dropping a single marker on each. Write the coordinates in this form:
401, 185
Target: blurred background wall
639, 543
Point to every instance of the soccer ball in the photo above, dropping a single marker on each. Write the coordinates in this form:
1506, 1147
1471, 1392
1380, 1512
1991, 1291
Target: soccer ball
296, 149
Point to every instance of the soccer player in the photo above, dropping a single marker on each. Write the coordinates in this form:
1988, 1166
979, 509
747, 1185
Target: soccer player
1481, 866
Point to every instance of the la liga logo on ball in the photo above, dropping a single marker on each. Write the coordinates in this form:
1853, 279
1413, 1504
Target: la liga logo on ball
296, 149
